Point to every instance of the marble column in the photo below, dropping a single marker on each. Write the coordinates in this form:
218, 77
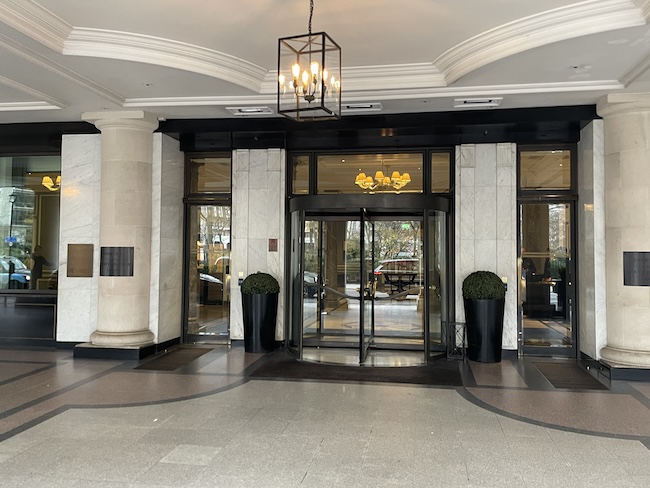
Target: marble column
125, 221
627, 226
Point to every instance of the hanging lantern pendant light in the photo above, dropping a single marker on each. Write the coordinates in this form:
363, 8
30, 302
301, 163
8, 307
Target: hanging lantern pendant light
312, 63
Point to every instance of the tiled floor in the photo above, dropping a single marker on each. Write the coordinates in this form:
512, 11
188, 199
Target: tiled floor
104, 424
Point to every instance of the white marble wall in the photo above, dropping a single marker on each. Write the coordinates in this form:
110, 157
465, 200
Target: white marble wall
166, 303
486, 223
591, 244
258, 190
79, 224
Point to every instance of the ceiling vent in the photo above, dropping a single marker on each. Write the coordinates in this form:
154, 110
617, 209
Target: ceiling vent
361, 107
477, 102
249, 111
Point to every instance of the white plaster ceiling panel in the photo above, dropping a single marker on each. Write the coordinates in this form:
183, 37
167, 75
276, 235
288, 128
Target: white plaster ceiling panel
194, 58
595, 58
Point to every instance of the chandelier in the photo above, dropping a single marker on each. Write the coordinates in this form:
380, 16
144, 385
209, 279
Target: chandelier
380, 181
52, 185
309, 76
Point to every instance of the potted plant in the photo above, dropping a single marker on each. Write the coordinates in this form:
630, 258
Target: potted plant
260, 306
484, 298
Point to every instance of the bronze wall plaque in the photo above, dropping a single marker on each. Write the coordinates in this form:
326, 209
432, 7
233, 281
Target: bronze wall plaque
80, 260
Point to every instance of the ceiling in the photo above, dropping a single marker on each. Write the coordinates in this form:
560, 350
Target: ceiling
196, 59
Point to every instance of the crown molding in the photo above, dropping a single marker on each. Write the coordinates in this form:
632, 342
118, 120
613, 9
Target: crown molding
644, 7
372, 78
198, 101
46, 63
164, 52
26, 106
36, 22
42, 98
393, 94
572, 21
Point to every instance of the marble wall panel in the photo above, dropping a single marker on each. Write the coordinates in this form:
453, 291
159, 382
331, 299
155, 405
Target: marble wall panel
167, 239
80, 172
486, 222
258, 215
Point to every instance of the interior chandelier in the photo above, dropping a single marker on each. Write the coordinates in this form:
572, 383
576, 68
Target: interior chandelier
52, 185
309, 76
396, 180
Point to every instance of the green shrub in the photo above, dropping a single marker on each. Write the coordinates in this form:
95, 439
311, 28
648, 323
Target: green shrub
482, 285
261, 283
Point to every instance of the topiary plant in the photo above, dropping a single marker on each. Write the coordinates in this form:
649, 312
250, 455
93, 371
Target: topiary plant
260, 283
483, 285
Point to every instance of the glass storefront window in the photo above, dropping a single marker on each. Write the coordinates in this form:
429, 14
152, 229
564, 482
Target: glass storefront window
545, 170
370, 173
29, 222
440, 173
210, 174
300, 175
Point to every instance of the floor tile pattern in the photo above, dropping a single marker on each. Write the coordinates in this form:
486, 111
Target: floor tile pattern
103, 424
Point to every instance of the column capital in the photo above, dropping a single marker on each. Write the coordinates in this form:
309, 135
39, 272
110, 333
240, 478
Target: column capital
135, 119
623, 104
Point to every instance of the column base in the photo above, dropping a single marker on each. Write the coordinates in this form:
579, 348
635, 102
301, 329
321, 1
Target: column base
136, 338
625, 358
91, 351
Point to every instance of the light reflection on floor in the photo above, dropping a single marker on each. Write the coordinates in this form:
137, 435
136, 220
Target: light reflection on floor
376, 358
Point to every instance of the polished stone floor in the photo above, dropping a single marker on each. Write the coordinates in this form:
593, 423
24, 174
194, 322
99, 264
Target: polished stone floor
68, 422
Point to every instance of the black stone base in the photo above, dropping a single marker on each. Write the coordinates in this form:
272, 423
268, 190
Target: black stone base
615, 372
135, 353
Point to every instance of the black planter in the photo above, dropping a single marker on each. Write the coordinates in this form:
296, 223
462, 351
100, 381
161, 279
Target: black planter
484, 323
260, 311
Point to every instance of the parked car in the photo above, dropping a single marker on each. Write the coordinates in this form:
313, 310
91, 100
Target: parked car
20, 274
310, 284
211, 292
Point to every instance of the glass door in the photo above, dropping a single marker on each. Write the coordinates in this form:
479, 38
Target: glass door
367, 286
207, 282
546, 288
363, 285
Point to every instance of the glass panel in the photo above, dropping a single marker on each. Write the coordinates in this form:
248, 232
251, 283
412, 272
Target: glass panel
312, 292
209, 273
437, 285
210, 175
440, 173
399, 303
545, 170
368, 287
29, 222
342, 266
544, 286
300, 175
369, 173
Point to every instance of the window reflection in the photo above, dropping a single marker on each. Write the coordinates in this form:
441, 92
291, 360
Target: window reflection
300, 175
440, 173
370, 173
210, 174
545, 170
29, 221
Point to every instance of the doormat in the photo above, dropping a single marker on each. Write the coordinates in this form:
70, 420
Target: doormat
174, 359
443, 372
568, 375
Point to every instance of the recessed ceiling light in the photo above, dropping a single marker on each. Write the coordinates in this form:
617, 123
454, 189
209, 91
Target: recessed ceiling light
477, 102
362, 107
249, 111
